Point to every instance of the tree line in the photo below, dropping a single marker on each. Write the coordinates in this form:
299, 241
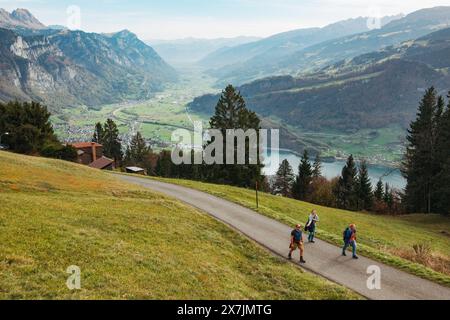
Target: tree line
427, 160
426, 168
351, 191
25, 128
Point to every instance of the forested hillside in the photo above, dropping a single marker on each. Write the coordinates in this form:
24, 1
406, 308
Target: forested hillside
370, 91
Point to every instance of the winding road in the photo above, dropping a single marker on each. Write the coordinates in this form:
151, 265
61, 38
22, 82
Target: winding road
322, 258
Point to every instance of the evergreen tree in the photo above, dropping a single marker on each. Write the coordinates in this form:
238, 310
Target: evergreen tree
364, 188
138, 150
420, 167
28, 125
388, 195
317, 167
164, 165
284, 179
112, 147
379, 191
98, 133
232, 113
442, 179
302, 186
346, 189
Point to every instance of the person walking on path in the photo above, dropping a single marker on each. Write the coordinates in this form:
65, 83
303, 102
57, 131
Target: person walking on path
311, 225
350, 240
297, 243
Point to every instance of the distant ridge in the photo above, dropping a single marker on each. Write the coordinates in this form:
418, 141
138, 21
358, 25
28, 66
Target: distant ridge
282, 44
375, 90
19, 18
315, 56
192, 50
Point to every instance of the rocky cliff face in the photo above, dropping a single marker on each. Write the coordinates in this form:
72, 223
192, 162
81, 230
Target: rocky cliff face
65, 68
20, 18
73, 68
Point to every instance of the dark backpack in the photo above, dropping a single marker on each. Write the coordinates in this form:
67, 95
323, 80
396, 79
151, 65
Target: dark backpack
347, 234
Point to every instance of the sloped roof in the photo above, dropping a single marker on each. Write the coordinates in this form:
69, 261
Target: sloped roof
101, 163
135, 169
82, 145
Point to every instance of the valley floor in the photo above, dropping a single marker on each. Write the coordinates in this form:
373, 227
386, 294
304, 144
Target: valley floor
157, 117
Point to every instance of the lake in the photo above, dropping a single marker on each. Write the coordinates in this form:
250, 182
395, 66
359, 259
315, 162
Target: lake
389, 175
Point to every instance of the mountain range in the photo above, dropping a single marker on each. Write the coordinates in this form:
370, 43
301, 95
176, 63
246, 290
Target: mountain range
64, 68
191, 50
19, 18
370, 91
246, 62
322, 51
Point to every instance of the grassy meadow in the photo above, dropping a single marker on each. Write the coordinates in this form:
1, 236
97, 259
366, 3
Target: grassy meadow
130, 243
385, 238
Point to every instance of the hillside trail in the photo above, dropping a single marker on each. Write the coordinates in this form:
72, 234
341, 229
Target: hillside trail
322, 258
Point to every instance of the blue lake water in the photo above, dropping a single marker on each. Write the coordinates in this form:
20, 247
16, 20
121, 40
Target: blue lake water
389, 175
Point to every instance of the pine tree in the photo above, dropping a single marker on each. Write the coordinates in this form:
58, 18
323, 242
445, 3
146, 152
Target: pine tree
231, 113
138, 151
317, 167
346, 189
379, 191
28, 125
388, 195
419, 167
164, 165
442, 179
112, 147
98, 133
284, 179
364, 188
302, 186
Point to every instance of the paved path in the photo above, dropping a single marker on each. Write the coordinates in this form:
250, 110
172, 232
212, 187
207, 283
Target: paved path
322, 258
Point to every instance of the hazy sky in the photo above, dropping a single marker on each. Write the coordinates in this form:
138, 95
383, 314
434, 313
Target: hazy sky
173, 19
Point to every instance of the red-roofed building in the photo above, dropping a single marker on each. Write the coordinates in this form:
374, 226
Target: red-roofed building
88, 152
103, 163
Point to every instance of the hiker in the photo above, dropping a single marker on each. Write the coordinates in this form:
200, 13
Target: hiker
297, 243
311, 226
350, 240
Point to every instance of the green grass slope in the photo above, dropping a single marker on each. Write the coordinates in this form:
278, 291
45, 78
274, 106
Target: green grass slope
129, 243
385, 238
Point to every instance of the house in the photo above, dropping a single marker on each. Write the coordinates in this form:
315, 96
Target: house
88, 152
103, 163
91, 154
136, 170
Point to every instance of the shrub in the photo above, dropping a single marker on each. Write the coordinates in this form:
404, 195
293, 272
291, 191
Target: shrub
61, 152
322, 192
422, 252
